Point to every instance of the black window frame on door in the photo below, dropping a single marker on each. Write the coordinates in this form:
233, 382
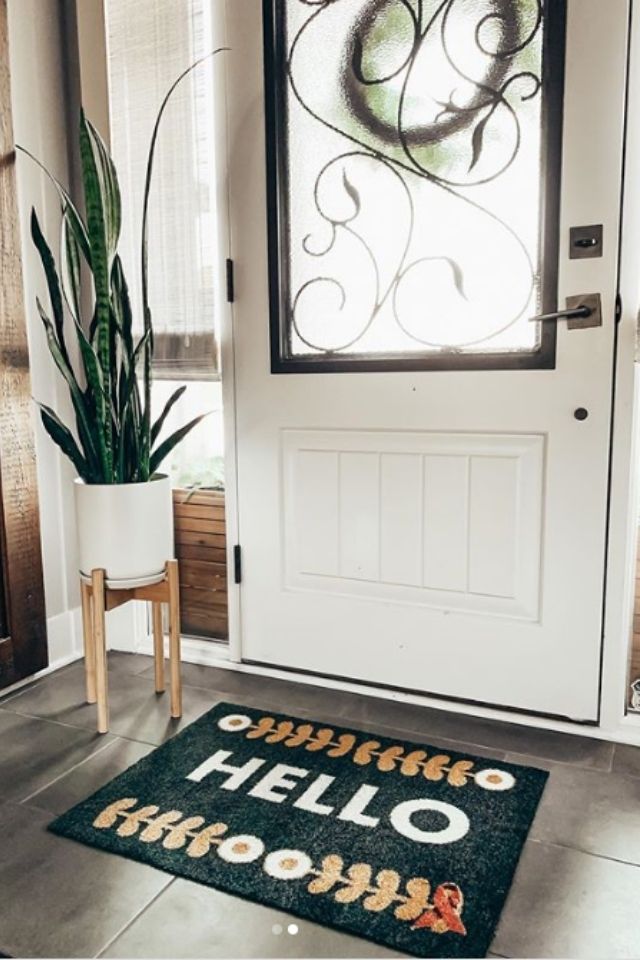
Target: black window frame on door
282, 359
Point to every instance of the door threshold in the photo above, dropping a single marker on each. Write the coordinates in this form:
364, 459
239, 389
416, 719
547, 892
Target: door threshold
422, 695
209, 654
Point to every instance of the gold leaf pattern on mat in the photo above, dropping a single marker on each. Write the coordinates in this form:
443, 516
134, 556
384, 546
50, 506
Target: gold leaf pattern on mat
434, 768
262, 727
205, 839
364, 753
387, 882
330, 875
412, 763
135, 819
301, 736
282, 731
344, 745
387, 759
109, 815
458, 774
440, 915
320, 740
181, 832
155, 830
357, 882
418, 893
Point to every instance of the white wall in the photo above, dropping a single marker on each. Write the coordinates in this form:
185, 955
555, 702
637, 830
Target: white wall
38, 59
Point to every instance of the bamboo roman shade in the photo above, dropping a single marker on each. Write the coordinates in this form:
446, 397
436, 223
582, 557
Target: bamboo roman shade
150, 42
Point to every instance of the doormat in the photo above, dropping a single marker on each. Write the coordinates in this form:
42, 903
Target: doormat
404, 844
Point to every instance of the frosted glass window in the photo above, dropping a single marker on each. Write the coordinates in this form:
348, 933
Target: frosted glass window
414, 167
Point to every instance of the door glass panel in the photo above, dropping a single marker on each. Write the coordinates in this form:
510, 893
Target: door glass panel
413, 160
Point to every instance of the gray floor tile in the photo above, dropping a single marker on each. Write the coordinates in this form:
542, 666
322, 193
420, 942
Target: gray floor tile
626, 760
591, 811
35, 752
60, 898
189, 920
569, 904
129, 662
5, 697
137, 712
89, 776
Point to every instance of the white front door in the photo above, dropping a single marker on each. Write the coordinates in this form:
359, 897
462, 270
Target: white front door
422, 472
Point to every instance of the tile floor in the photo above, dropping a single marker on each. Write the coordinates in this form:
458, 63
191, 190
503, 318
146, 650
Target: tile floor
576, 892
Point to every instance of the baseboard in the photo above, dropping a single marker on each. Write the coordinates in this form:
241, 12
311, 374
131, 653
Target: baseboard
208, 653
64, 637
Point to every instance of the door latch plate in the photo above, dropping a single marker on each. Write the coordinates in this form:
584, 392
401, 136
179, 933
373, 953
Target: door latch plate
591, 300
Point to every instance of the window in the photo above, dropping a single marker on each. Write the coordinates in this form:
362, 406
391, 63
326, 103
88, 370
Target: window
149, 44
412, 181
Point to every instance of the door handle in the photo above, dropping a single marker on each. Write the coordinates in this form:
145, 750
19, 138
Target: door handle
581, 311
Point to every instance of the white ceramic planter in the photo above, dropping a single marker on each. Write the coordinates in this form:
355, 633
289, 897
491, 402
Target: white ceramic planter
125, 529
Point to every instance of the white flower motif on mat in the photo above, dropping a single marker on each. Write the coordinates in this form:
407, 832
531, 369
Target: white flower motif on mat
234, 721
287, 864
243, 848
495, 779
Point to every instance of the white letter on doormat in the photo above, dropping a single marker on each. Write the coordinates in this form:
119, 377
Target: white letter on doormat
309, 799
265, 788
458, 826
216, 763
354, 810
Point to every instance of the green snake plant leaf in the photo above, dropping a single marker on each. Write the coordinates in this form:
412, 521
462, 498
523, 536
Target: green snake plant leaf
85, 431
96, 194
159, 423
53, 282
63, 437
68, 207
70, 268
167, 446
95, 389
122, 305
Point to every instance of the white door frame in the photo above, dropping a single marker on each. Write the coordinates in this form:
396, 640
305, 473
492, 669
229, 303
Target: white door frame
625, 453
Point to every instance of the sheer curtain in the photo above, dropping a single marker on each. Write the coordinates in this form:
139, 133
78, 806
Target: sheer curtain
149, 43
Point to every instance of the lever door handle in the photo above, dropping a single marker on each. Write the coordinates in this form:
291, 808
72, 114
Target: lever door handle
570, 314
583, 310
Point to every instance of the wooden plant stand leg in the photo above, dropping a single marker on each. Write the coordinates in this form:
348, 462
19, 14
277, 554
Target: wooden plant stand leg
89, 648
158, 645
174, 637
100, 645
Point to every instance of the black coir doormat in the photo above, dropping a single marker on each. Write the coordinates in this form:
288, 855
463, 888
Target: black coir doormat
402, 843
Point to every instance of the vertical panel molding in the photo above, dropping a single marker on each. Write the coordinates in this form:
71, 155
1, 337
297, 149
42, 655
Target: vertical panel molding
449, 521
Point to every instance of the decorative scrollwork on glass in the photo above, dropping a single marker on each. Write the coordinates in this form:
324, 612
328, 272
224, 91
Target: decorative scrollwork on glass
400, 243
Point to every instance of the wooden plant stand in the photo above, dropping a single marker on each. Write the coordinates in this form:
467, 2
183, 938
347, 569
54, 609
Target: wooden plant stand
98, 599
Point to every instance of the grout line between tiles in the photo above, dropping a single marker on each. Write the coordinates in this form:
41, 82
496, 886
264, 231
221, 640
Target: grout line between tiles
136, 916
586, 853
94, 753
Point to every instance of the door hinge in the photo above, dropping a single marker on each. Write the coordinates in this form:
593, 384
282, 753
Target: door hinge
618, 308
230, 282
237, 563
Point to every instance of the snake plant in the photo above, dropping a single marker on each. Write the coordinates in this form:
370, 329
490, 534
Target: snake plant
107, 370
